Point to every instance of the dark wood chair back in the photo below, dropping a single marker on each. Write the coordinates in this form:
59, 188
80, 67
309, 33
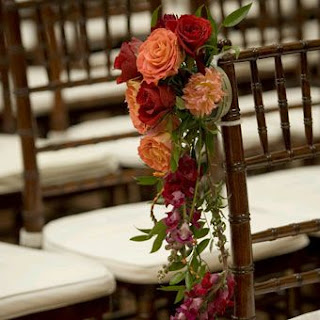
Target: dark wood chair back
237, 165
27, 129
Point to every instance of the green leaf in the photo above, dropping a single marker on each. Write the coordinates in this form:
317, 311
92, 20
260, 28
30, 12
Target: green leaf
171, 288
147, 231
174, 159
146, 180
176, 266
195, 263
200, 233
189, 281
199, 11
140, 238
155, 16
158, 242
178, 277
159, 227
180, 103
180, 295
214, 27
237, 16
202, 245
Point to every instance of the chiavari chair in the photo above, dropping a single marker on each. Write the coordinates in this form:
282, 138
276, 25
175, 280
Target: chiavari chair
55, 90
292, 193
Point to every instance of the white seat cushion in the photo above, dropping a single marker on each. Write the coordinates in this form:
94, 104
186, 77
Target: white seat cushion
294, 193
35, 280
55, 166
125, 150
315, 315
130, 261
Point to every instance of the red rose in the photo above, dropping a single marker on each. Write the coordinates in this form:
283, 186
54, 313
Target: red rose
192, 32
168, 21
155, 102
126, 60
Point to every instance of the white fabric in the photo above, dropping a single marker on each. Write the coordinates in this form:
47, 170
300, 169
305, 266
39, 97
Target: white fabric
108, 230
35, 280
125, 150
55, 166
315, 315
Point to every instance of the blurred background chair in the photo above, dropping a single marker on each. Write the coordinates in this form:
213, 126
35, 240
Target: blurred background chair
54, 74
42, 285
288, 193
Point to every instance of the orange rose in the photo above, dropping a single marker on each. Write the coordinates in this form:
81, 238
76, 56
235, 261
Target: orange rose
159, 56
155, 151
131, 98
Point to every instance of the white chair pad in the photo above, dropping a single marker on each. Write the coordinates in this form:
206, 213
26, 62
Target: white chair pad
107, 233
55, 166
35, 280
315, 315
294, 193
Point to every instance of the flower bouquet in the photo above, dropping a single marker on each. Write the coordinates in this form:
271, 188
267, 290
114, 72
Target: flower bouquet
176, 95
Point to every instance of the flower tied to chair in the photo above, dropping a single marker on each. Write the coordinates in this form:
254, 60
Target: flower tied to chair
176, 95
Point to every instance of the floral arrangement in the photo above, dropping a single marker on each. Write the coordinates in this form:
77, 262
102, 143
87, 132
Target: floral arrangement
175, 95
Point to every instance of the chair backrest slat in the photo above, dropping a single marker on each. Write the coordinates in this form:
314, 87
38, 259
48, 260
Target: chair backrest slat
259, 107
282, 102
306, 98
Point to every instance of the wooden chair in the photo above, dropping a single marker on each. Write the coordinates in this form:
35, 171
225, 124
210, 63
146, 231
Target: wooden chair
95, 167
287, 192
77, 42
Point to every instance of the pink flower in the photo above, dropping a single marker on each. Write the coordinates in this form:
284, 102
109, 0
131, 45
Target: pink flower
172, 219
184, 234
203, 92
159, 56
131, 98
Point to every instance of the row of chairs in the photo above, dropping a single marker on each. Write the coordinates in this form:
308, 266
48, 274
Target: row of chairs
94, 234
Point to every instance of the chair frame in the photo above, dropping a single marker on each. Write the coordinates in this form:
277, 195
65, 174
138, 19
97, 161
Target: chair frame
236, 167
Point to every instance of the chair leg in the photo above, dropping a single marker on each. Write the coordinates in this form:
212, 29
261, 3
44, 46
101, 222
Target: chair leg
145, 299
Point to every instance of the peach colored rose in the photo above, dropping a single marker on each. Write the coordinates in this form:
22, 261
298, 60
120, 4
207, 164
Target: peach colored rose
131, 98
203, 92
155, 151
159, 56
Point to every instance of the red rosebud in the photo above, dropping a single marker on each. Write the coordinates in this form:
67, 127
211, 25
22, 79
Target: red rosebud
168, 21
126, 60
155, 102
192, 32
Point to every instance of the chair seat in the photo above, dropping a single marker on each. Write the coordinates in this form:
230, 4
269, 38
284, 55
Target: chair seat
55, 166
35, 280
315, 315
106, 227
